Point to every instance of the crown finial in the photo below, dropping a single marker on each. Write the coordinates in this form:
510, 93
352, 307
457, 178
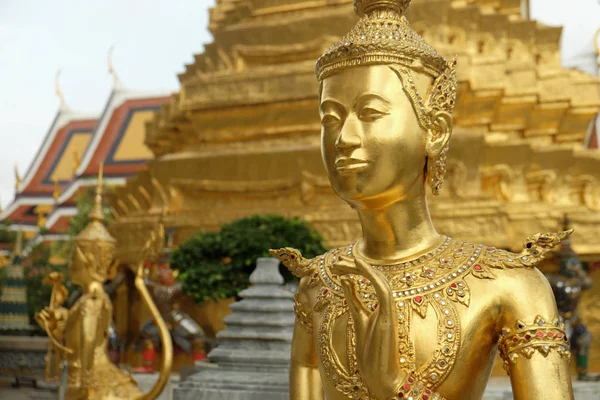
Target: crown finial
18, 179
97, 213
111, 70
61, 97
364, 7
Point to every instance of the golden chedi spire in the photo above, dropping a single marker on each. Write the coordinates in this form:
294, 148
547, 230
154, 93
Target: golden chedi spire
95, 242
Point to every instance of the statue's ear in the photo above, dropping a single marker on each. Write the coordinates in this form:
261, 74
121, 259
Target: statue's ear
438, 134
88, 260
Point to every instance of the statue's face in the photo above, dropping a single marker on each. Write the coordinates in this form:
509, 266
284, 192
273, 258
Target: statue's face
77, 268
372, 144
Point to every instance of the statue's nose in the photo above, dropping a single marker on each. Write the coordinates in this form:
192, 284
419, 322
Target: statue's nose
350, 135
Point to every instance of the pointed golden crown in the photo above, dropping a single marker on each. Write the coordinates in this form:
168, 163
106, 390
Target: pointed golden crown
383, 35
94, 240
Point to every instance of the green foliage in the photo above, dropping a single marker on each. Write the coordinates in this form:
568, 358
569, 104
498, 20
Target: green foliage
6, 234
218, 265
2, 279
202, 269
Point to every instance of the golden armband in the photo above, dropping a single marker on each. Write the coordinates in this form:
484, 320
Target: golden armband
526, 339
304, 318
413, 388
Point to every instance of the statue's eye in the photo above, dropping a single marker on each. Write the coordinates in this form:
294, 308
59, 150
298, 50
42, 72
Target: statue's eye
370, 114
329, 120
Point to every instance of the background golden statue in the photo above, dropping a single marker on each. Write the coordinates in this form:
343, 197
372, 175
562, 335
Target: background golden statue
57, 299
405, 312
84, 337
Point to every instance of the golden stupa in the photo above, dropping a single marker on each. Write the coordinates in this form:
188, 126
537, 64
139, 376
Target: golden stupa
243, 134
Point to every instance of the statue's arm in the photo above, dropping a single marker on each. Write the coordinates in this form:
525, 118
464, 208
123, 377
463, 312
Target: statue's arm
532, 341
90, 314
305, 381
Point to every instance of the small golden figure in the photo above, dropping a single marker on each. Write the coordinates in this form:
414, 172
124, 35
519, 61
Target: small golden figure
57, 299
404, 312
84, 338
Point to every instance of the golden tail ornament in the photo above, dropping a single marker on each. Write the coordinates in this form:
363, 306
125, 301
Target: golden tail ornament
165, 337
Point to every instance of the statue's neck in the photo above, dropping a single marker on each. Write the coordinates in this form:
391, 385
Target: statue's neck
400, 230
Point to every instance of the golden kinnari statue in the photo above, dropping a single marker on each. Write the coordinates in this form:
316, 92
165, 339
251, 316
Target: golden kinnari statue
406, 313
83, 337
57, 299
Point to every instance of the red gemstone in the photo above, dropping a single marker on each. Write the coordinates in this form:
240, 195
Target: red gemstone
315, 275
491, 248
427, 391
425, 397
550, 334
527, 337
559, 335
515, 339
418, 299
375, 306
478, 267
453, 285
345, 301
540, 334
325, 291
400, 394
407, 387
411, 379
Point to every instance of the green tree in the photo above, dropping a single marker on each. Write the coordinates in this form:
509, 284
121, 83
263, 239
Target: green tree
218, 265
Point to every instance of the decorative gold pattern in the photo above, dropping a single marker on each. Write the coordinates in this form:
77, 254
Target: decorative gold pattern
383, 36
525, 340
437, 279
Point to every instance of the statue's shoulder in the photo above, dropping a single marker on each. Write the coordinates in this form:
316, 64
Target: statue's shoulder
535, 249
293, 260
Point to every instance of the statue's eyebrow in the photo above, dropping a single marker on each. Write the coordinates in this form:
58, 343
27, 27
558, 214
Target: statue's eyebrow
371, 96
330, 103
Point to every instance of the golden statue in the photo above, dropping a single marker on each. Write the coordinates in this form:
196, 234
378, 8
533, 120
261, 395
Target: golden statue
405, 312
57, 299
83, 342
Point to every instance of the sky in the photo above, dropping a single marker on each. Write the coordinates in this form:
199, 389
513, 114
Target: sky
152, 40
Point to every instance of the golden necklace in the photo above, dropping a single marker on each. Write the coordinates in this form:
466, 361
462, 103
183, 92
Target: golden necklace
435, 279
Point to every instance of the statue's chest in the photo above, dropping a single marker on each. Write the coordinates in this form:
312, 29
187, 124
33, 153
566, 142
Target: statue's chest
426, 294
427, 344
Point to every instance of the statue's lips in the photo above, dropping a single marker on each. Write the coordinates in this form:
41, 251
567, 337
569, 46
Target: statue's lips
350, 164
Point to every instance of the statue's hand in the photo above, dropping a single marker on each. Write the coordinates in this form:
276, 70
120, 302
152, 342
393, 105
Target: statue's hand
376, 331
47, 318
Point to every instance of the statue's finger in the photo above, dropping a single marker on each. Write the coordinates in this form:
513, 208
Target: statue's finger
360, 313
344, 267
379, 282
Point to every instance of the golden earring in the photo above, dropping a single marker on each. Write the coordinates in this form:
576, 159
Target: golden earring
436, 168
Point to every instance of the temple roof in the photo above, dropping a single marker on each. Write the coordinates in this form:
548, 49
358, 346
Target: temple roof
52, 167
117, 141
